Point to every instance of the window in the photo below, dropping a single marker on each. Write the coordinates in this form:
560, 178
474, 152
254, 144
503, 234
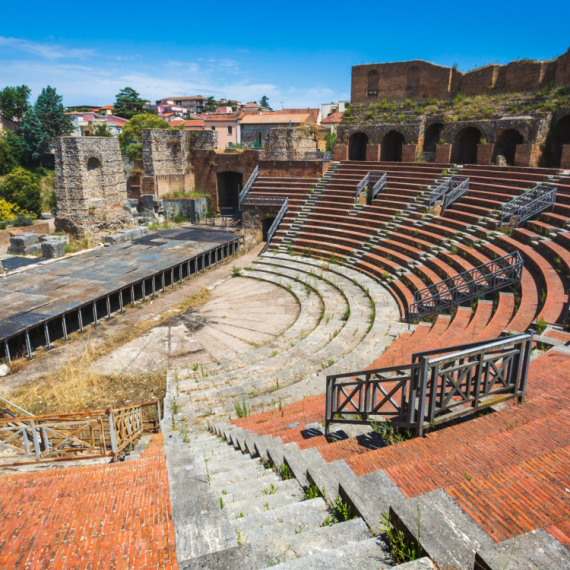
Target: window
229, 130
214, 128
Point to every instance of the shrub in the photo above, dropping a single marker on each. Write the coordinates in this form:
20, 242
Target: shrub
8, 211
22, 221
7, 161
3, 225
21, 188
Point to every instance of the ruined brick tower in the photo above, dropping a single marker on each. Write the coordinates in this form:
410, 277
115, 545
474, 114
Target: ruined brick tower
90, 185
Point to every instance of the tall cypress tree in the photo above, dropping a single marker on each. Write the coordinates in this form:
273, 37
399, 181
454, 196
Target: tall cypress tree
50, 112
35, 136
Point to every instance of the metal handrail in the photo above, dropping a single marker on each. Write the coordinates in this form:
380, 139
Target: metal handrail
529, 204
461, 188
380, 185
464, 287
277, 221
438, 385
379, 179
248, 185
447, 187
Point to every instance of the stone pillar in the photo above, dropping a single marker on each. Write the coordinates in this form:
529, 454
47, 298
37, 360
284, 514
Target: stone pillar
485, 153
565, 159
443, 153
373, 152
340, 152
409, 152
527, 154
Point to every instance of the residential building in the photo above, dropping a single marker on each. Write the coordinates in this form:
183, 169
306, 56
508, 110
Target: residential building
255, 108
223, 110
106, 110
255, 126
188, 104
226, 126
328, 109
194, 125
83, 123
332, 121
314, 114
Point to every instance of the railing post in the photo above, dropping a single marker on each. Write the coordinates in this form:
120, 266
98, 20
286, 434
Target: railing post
35, 441
328, 411
112, 433
423, 378
524, 371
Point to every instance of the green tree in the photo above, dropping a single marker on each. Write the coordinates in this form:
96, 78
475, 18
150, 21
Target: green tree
20, 187
35, 137
7, 160
18, 148
102, 129
264, 102
130, 140
330, 139
14, 102
50, 112
210, 105
128, 103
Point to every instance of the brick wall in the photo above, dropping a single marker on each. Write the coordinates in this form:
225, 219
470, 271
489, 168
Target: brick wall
41, 228
485, 153
527, 155
340, 152
373, 152
409, 152
443, 153
420, 79
565, 160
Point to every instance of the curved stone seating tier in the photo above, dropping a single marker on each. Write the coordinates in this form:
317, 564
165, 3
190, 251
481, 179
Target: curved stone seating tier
344, 338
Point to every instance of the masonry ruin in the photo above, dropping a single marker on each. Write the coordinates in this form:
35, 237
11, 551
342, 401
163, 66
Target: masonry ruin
90, 186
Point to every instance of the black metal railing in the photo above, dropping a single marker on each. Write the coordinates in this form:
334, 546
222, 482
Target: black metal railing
454, 186
377, 178
436, 387
529, 204
277, 221
248, 185
465, 287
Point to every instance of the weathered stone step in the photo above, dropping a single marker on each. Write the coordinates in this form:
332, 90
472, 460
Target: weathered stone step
289, 492
311, 513
253, 488
364, 553
251, 471
448, 535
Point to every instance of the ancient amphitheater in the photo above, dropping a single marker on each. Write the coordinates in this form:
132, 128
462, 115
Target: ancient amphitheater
386, 385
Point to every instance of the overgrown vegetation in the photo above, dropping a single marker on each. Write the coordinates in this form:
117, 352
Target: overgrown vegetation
402, 549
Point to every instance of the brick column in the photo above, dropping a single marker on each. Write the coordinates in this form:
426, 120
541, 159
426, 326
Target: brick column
485, 153
565, 159
443, 153
373, 152
527, 154
340, 152
409, 152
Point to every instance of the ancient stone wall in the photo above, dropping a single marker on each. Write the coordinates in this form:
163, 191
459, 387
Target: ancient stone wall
417, 80
168, 156
90, 185
291, 139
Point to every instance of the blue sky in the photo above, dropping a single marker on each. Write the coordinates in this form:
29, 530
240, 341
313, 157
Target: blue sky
297, 53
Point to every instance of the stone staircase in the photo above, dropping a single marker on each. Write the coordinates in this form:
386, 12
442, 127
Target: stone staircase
231, 510
290, 232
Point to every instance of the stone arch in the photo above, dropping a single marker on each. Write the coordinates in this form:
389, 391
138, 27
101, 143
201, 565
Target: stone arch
506, 145
392, 144
432, 136
413, 82
229, 184
357, 146
465, 146
561, 137
373, 83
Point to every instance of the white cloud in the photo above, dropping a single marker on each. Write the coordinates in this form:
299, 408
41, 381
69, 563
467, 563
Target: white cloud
48, 51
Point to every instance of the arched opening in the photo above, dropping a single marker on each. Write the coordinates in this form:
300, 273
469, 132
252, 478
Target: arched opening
392, 147
229, 186
431, 137
507, 143
373, 83
357, 146
93, 163
413, 82
561, 137
265, 225
465, 146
